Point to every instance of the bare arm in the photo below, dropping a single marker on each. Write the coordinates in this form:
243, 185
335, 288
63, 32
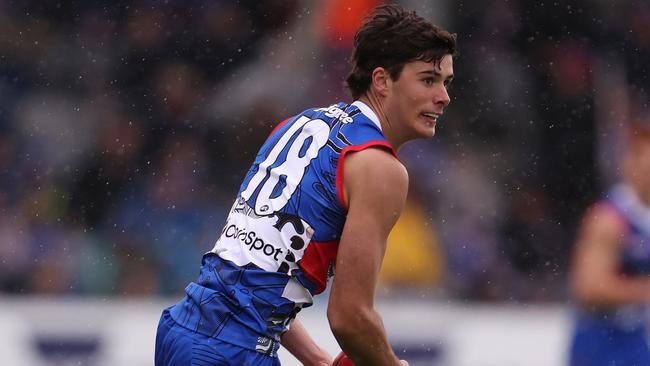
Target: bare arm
375, 185
297, 341
595, 279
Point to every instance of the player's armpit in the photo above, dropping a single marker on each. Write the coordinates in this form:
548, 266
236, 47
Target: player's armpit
376, 184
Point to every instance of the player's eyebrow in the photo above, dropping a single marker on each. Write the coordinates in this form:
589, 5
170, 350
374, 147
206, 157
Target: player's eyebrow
436, 73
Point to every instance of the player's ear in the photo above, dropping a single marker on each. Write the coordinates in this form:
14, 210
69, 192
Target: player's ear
380, 80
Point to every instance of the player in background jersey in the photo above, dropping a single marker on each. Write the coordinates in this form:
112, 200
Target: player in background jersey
320, 198
610, 276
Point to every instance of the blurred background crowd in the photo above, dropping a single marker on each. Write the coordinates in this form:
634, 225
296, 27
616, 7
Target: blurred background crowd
126, 128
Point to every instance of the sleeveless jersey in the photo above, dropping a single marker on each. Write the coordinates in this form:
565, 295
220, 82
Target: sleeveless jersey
279, 244
619, 335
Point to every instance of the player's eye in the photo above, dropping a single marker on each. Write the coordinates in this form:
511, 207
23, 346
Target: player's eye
428, 81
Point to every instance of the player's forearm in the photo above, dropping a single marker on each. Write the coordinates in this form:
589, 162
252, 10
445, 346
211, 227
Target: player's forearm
615, 291
300, 344
361, 335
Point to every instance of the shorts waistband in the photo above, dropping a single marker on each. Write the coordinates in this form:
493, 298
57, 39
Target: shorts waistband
221, 325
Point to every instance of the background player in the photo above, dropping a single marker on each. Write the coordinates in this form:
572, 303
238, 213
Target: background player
612, 263
322, 195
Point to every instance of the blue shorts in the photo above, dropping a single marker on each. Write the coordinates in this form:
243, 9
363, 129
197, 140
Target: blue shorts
607, 346
179, 346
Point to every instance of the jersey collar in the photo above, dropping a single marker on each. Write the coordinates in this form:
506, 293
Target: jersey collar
363, 107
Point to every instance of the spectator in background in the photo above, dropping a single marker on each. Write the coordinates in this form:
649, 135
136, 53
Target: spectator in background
111, 165
336, 26
164, 220
611, 264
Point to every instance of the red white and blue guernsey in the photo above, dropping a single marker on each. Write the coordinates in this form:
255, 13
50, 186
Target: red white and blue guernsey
279, 244
619, 336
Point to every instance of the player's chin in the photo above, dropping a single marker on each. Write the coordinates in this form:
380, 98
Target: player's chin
427, 131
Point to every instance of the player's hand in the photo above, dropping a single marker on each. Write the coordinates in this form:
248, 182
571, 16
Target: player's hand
343, 360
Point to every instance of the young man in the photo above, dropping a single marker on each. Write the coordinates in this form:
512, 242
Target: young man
321, 197
611, 266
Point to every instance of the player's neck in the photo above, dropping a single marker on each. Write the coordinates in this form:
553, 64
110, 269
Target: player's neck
375, 103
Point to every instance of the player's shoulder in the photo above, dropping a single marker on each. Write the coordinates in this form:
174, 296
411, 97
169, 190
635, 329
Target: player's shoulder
603, 216
373, 179
616, 209
377, 164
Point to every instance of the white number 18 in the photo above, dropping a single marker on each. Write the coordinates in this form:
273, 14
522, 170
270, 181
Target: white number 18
293, 168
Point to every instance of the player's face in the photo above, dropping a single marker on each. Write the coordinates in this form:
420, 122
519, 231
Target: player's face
419, 97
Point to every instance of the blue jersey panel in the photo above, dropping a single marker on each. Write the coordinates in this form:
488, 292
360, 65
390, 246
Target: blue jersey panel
619, 336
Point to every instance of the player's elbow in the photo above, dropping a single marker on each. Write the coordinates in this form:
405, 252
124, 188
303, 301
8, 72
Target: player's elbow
347, 322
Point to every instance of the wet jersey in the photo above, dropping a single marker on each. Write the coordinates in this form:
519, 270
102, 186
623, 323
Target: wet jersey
618, 336
279, 243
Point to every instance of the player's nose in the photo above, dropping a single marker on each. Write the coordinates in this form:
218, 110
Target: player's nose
442, 97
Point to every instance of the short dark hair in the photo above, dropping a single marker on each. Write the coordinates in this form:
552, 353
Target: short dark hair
390, 37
